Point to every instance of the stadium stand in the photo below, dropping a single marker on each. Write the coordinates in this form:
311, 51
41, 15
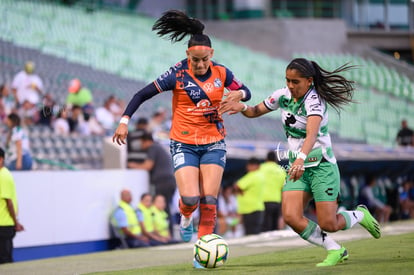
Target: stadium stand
117, 53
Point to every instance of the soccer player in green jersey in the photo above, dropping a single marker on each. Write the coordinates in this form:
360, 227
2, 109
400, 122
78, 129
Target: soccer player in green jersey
313, 171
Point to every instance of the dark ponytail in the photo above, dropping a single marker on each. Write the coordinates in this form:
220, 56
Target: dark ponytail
177, 25
335, 89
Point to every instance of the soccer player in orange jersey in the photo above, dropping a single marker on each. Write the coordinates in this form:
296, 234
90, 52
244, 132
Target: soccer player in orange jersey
197, 133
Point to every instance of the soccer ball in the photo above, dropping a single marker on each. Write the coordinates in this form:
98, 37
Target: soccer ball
211, 251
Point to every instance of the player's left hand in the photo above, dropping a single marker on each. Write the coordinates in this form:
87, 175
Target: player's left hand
296, 170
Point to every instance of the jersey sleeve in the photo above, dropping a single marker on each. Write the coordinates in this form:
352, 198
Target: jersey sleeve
314, 106
272, 101
167, 80
232, 83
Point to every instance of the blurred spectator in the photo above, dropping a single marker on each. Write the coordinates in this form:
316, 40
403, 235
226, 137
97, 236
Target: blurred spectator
61, 124
27, 85
18, 152
124, 220
46, 110
162, 221
29, 113
159, 125
79, 95
274, 178
147, 222
249, 190
75, 119
8, 102
158, 164
406, 200
370, 197
228, 218
105, 117
116, 106
9, 224
135, 152
405, 136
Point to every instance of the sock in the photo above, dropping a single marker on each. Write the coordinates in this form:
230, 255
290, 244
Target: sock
187, 209
316, 236
351, 218
208, 213
207, 223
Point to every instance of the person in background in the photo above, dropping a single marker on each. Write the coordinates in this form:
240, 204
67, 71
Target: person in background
147, 222
19, 156
228, 218
124, 219
274, 178
406, 200
45, 111
381, 210
158, 164
79, 95
27, 85
61, 124
135, 152
9, 223
405, 136
161, 219
8, 102
249, 190
158, 124
105, 117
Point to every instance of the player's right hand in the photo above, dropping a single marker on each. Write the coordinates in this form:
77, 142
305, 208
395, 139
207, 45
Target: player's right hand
120, 134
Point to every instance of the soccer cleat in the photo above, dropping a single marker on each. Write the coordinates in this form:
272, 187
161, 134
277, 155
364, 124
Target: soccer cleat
334, 257
186, 232
369, 222
196, 264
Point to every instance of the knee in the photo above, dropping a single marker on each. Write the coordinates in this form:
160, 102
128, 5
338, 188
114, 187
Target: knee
190, 201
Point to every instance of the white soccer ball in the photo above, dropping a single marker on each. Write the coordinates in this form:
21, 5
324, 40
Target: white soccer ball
211, 251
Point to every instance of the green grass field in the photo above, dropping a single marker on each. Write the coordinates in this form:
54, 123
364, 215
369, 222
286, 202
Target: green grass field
388, 255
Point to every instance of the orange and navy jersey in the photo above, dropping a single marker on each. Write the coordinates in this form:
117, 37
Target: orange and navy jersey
196, 101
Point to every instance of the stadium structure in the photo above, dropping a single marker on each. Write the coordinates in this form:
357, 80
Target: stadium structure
110, 47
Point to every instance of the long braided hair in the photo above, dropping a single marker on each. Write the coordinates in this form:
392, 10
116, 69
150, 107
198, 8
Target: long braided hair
335, 89
177, 25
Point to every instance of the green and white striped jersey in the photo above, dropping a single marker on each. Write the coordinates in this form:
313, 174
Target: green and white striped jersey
294, 117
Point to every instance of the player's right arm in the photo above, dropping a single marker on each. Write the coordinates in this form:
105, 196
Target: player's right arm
163, 83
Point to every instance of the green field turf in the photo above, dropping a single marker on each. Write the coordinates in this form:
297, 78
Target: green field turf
388, 255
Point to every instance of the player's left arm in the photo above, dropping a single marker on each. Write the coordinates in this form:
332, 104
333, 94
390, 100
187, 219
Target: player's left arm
237, 90
312, 129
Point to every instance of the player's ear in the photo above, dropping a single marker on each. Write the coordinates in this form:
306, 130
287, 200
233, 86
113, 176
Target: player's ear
211, 53
187, 52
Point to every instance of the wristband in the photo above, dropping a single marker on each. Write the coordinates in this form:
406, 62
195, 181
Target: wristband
301, 155
244, 107
124, 120
243, 93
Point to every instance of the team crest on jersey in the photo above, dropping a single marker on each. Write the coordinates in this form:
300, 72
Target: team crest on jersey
217, 83
208, 87
271, 100
178, 65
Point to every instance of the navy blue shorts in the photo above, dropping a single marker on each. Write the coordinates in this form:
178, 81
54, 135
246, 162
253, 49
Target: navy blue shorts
194, 155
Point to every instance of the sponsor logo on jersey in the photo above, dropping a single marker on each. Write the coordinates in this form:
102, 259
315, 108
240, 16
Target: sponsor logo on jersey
189, 85
208, 87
